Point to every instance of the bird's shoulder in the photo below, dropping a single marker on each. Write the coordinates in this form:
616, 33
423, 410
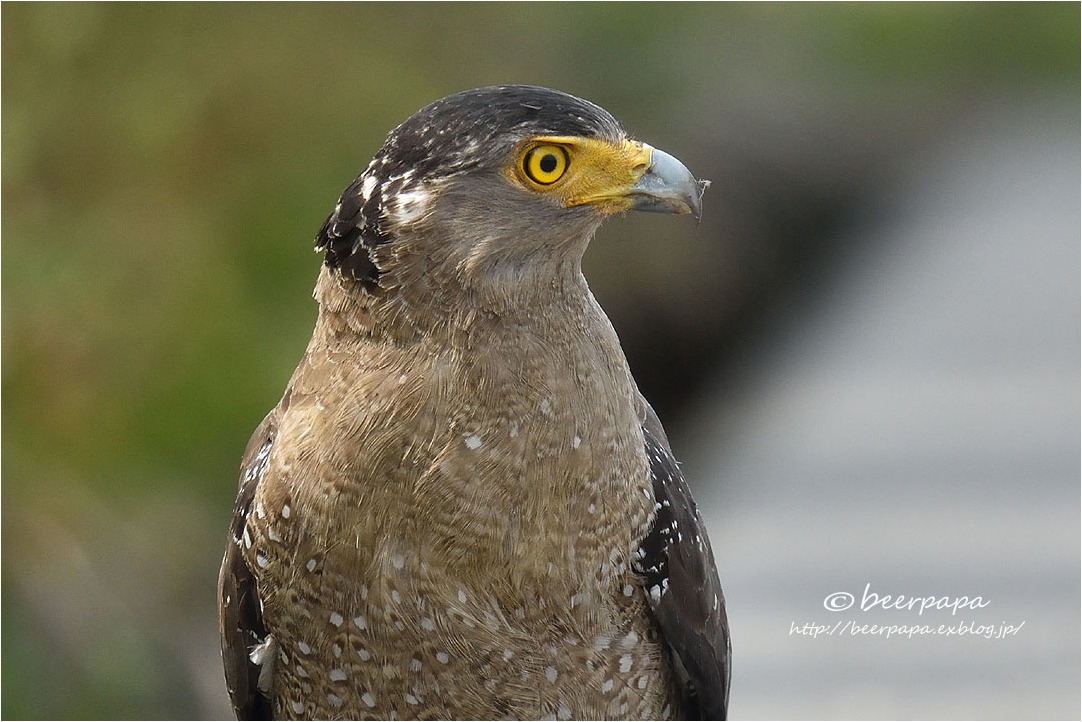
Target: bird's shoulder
682, 584
240, 616
298, 449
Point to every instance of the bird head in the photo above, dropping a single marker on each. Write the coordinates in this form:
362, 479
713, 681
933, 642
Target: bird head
496, 185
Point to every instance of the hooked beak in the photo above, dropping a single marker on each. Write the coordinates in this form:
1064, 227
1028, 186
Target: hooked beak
667, 186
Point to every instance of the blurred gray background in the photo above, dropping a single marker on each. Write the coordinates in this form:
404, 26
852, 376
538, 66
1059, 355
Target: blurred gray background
867, 354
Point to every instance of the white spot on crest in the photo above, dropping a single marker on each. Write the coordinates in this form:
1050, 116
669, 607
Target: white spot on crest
297, 706
311, 565
368, 699
427, 624
576, 442
367, 186
628, 590
334, 700
301, 671
259, 511
262, 561
360, 622
550, 674
364, 654
336, 650
304, 648
395, 596
442, 657
625, 663
273, 534
606, 686
461, 596
410, 699
592, 509
286, 511
473, 441
338, 675
564, 712
336, 619
398, 561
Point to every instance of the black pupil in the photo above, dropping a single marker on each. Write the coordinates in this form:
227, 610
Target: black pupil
548, 163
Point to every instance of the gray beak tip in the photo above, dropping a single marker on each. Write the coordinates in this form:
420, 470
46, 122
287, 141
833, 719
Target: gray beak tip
698, 210
669, 187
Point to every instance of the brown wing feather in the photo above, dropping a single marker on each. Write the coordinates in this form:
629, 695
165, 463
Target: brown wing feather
682, 583
240, 616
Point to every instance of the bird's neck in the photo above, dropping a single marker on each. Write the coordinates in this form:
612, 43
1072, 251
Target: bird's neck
439, 306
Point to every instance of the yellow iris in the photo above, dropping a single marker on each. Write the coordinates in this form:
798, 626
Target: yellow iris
545, 164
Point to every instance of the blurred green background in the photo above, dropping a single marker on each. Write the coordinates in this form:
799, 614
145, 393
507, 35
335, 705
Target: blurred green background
166, 166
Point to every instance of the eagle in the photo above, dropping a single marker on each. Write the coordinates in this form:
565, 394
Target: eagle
462, 507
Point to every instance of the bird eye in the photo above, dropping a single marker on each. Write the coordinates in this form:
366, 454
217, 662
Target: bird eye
545, 164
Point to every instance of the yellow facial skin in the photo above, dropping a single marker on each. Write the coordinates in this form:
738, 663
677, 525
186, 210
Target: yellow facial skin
579, 171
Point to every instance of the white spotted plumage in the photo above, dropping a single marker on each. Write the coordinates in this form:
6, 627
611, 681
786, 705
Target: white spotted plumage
494, 476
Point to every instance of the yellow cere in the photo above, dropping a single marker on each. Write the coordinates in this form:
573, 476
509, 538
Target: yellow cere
579, 171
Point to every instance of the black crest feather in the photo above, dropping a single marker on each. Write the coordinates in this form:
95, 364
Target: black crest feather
471, 130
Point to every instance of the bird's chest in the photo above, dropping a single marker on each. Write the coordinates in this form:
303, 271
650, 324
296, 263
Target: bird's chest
468, 657
476, 561
542, 462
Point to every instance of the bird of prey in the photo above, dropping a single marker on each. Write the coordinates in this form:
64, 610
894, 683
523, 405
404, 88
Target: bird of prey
462, 507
